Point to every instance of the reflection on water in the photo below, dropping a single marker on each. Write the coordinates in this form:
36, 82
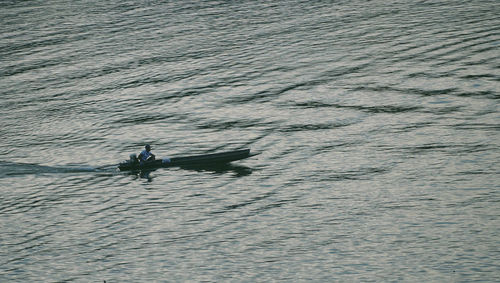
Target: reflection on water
217, 169
236, 170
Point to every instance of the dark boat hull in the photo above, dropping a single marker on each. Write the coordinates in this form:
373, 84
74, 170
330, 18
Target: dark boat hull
194, 160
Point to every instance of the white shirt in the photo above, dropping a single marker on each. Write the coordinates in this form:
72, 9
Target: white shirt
144, 155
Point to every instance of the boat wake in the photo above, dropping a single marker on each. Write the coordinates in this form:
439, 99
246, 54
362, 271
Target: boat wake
12, 169
9, 169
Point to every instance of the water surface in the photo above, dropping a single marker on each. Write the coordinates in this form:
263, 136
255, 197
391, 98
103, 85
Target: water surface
377, 125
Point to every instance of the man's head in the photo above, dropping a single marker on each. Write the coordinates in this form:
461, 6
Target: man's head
148, 147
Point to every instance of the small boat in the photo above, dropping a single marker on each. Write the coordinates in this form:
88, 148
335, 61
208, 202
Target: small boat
194, 160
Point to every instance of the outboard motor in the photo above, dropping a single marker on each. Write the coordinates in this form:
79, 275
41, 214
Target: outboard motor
133, 158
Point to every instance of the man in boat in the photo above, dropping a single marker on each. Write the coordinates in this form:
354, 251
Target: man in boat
146, 155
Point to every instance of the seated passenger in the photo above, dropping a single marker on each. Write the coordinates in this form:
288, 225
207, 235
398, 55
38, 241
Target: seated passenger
146, 155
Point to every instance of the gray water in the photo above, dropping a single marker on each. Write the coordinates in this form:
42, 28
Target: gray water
377, 125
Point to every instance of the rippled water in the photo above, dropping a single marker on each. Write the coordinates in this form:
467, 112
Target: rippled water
377, 125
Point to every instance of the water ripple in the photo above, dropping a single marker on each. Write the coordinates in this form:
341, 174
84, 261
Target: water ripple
377, 125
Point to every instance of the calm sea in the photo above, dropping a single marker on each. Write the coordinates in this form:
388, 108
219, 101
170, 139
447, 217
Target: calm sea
377, 124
